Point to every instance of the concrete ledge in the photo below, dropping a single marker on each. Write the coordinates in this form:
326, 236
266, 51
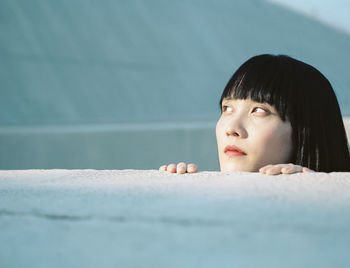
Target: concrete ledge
146, 218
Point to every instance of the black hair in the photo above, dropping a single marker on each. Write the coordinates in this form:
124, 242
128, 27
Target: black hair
302, 95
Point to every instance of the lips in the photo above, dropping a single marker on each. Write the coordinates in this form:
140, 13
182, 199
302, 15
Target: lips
232, 150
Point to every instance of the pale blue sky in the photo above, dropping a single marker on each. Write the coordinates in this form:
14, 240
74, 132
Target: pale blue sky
331, 12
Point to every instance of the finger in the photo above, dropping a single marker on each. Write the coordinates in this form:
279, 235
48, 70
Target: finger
288, 168
171, 168
163, 168
291, 168
181, 168
305, 169
263, 169
273, 170
192, 168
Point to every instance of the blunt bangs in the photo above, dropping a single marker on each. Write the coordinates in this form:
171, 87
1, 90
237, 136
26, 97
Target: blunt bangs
263, 79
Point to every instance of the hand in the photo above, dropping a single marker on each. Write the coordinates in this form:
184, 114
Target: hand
283, 169
180, 168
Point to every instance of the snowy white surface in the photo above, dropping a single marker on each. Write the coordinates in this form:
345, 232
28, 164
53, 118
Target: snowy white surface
146, 218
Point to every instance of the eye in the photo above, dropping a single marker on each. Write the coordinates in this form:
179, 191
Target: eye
260, 111
226, 108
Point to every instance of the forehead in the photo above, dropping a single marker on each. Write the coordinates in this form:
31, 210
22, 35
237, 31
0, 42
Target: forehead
248, 101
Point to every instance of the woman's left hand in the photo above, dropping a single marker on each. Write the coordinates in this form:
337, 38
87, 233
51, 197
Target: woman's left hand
283, 169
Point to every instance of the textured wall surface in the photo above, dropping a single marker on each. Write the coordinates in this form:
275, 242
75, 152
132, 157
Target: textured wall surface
146, 218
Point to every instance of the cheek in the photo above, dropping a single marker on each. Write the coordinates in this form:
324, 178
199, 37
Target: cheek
219, 130
277, 145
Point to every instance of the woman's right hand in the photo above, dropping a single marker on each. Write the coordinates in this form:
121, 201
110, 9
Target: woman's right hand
180, 168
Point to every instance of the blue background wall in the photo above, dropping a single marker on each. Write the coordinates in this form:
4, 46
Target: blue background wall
135, 84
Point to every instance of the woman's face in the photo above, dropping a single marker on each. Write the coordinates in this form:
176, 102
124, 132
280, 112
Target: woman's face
251, 135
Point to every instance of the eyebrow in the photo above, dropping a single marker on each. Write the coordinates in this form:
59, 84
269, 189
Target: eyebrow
264, 104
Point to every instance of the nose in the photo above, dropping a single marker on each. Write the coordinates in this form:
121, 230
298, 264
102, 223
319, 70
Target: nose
235, 128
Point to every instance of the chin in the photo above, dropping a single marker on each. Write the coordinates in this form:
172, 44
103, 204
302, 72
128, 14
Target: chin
237, 168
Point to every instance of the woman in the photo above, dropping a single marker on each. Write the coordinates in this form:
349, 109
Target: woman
279, 115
